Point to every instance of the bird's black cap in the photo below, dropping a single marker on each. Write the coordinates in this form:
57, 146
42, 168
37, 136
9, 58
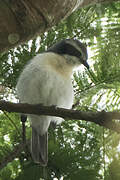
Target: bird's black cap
68, 47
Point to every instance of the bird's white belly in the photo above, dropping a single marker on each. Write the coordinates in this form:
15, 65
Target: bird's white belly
61, 93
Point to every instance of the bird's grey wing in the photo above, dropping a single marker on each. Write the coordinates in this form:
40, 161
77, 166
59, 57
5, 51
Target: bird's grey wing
39, 147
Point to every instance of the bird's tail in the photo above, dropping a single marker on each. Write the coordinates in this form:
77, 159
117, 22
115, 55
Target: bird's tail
39, 147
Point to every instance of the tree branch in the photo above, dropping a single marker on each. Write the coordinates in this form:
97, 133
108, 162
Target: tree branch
102, 118
24, 19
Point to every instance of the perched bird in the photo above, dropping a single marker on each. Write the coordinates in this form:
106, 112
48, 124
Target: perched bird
46, 79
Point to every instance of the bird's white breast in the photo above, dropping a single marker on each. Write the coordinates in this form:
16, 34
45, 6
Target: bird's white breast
47, 80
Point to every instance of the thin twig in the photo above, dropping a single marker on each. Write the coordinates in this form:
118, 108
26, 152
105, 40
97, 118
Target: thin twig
15, 153
12, 122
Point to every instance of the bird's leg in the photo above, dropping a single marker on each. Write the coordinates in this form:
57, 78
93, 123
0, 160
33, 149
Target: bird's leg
53, 124
23, 120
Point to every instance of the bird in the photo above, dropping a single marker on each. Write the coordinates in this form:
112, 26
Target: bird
46, 79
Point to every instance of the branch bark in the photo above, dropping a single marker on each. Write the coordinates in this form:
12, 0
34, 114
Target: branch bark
102, 118
21, 20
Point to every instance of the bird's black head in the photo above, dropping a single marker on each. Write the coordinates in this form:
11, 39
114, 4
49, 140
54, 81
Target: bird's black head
73, 48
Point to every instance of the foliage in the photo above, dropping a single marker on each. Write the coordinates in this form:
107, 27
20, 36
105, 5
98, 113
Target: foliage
77, 150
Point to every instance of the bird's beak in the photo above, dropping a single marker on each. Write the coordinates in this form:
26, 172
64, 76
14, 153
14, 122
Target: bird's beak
85, 64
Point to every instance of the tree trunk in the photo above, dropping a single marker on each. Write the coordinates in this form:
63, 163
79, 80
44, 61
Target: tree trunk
21, 20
